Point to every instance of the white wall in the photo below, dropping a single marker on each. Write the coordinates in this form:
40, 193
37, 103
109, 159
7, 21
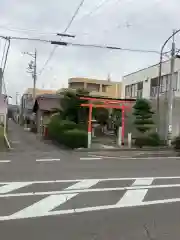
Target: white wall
147, 74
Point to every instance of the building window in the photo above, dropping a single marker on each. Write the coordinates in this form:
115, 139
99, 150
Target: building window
93, 87
139, 85
104, 88
76, 85
128, 89
164, 84
134, 90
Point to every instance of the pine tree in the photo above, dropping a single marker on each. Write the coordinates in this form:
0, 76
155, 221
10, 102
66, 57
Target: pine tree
143, 115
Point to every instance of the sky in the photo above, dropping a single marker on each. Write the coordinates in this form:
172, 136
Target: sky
134, 24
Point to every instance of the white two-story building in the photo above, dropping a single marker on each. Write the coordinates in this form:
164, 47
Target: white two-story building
143, 84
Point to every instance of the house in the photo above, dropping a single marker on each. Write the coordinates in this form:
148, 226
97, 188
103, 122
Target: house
27, 103
96, 87
144, 84
45, 105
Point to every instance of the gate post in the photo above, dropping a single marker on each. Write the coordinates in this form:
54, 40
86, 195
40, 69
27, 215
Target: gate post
90, 126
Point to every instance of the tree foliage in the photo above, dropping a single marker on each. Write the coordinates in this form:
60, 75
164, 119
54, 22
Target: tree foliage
71, 105
143, 115
101, 115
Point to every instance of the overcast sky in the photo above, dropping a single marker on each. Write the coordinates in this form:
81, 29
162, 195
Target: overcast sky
137, 24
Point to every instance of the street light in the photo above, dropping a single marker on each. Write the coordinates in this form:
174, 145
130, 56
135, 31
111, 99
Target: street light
160, 73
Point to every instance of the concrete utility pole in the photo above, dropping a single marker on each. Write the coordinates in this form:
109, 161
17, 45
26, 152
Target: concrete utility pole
35, 75
170, 93
1, 80
32, 68
17, 94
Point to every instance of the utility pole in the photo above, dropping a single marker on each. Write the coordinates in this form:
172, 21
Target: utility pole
17, 94
170, 93
32, 69
35, 75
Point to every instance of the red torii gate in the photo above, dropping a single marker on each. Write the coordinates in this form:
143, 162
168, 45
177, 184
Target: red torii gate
107, 103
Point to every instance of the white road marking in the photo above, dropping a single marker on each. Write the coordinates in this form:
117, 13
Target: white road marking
133, 197
136, 196
13, 186
5, 161
111, 157
92, 209
97, 179
133, 158
47, 160
90, 158
89, 190
43, 207
143, 182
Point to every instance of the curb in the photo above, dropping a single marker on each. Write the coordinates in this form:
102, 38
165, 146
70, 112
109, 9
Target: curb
165, 149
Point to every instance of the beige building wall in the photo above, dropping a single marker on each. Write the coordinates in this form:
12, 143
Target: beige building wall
96, 87
39, 91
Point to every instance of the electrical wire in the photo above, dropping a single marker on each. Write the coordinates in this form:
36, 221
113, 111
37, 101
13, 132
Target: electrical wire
5, 56
27, 30
97, 7
57, 43
4, 51
66, 29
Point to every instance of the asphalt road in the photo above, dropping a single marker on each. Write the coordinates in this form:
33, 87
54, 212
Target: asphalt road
47, 193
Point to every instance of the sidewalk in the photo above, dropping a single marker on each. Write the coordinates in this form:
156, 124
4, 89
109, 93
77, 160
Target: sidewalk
25, 141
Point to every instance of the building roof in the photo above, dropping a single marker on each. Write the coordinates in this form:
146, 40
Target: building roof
47, 102
92, 80
142, 69
40, 91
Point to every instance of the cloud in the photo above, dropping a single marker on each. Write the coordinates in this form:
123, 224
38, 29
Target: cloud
126, 23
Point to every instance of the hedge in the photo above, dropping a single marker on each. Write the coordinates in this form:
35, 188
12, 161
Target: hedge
67, 133
151, 139
75, 138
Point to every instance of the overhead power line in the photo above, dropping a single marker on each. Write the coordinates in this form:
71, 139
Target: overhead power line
95, 9
61, 43
66, 29
4, 51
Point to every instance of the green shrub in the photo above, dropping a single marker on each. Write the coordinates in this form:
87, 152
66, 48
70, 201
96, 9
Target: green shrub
67, 133
57, 126
141, 141
176, 143
153, 139
75, 138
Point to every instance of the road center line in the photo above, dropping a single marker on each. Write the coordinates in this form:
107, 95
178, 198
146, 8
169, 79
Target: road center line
85, 190
90, 158
48, 160
5, 161
100, 179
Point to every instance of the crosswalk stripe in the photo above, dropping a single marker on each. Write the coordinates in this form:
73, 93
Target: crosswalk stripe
136, 196
13, 186
44, 206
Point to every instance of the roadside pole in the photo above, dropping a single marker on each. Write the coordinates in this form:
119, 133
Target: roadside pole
35, 75
170, 95
1, 80
90, 127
